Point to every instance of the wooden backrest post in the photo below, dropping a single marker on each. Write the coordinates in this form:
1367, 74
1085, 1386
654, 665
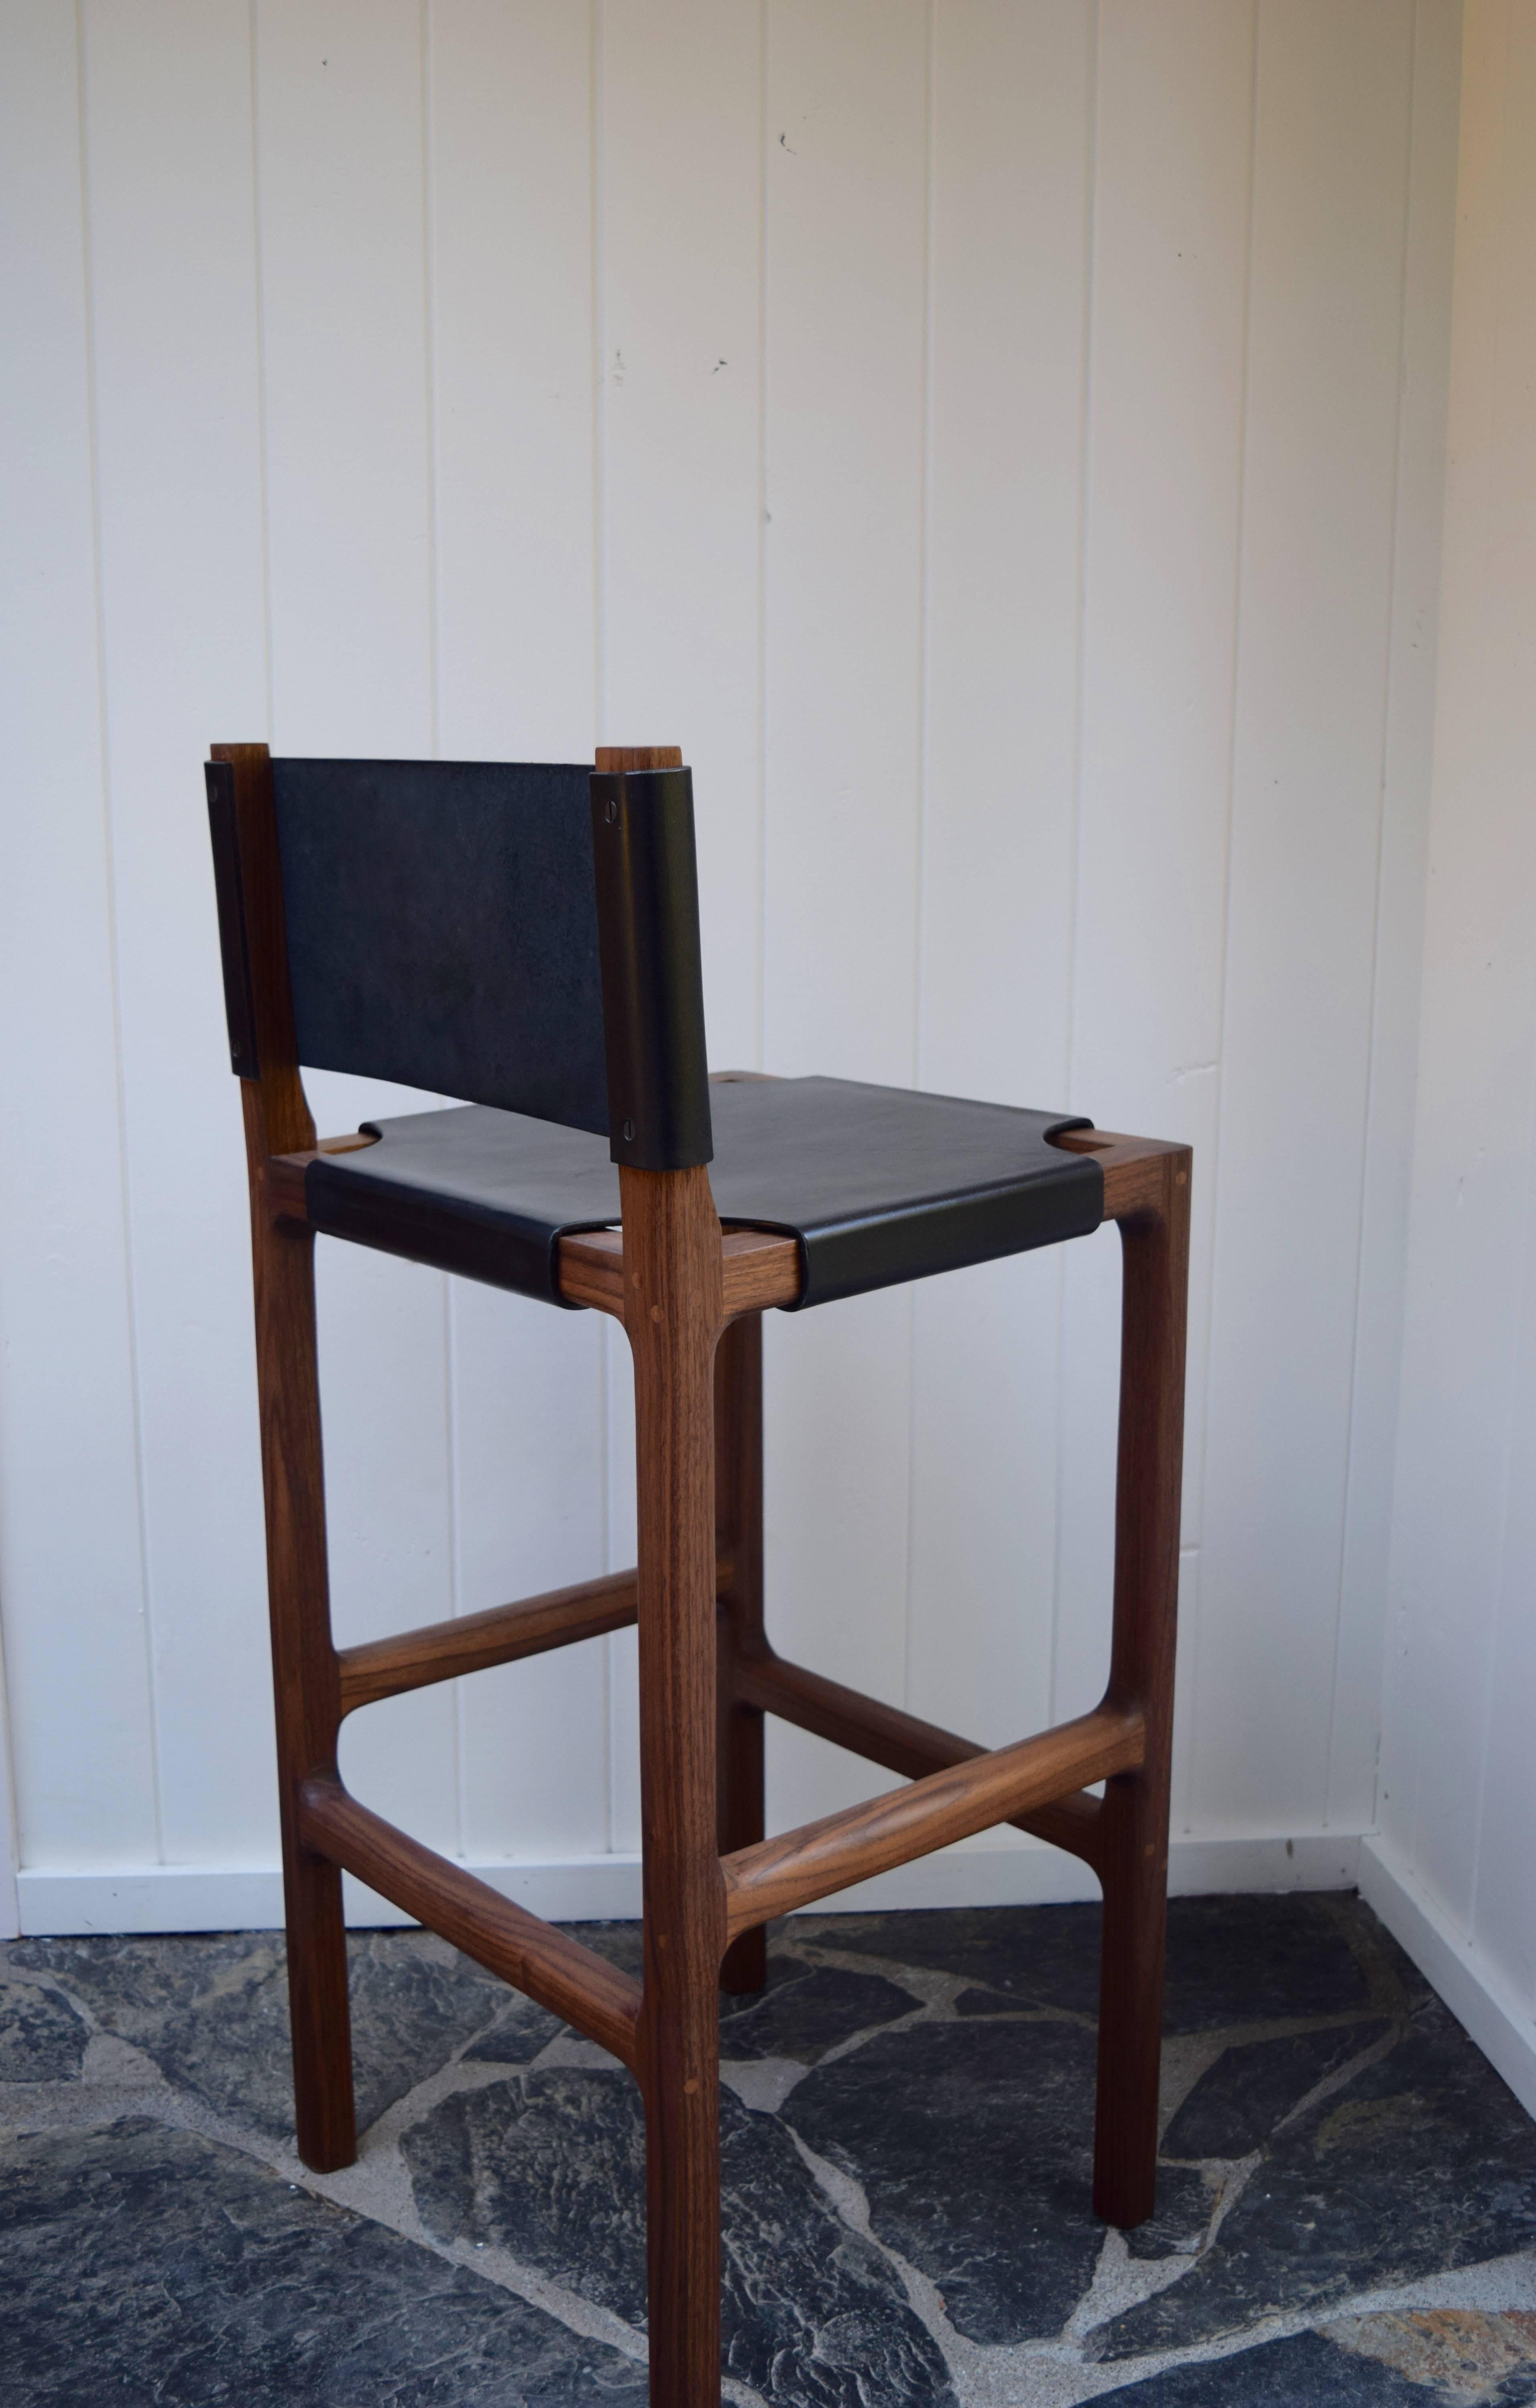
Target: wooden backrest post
245, 828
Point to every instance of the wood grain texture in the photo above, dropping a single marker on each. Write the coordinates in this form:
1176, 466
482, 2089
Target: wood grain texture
612, 760
533, 1956
779, 1875
440, 1651
900, 1741
738, 1626
674, 1306
759, 1267
305, 1690
502, 1634
1133, 1865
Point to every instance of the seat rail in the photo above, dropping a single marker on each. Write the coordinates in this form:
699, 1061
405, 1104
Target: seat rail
440, 1651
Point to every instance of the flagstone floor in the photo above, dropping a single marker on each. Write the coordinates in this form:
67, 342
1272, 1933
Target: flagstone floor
1346, 2208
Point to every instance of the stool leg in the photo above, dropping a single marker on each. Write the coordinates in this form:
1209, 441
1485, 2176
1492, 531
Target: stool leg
739, 1531
672, 1288
305, 1682
1134, 1865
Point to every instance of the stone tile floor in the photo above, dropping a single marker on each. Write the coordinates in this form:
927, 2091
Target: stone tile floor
1346, 2212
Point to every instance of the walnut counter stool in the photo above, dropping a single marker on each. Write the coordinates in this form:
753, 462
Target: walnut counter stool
527, 937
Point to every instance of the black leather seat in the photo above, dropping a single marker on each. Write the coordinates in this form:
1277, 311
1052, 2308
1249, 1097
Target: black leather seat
879, 1184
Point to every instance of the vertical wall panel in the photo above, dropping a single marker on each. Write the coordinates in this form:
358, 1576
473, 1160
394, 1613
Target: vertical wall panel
343, 208
837, 1410
383, 1385
511, 212
340, 102
1398, 933
71, 1573
511, 199
1504, 1912
1504, 1909
1331, 183
682, 455
1165, 424
528, 1464
847, 127
847, 240
173, 250
1456, 1811
1012, 141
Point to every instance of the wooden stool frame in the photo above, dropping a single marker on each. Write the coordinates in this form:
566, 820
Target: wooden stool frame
690, 1297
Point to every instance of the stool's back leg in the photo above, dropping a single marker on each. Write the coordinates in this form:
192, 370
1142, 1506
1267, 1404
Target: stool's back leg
672, 1311
306, 1687
738, 1528
1134, 1865
306, 1683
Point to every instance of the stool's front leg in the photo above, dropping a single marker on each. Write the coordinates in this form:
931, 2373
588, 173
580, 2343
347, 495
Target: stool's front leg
1133, 1867
672, 1311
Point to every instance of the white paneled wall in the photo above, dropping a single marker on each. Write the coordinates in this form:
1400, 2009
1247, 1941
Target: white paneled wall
1452, 1868
1000, 441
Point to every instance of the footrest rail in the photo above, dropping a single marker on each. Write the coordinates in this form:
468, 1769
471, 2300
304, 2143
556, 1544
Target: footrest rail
547, 1965
901, 1742
776, 1876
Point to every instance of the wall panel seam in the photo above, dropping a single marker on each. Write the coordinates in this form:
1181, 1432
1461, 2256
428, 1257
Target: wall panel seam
761, 996
1084, 465
114, 959
1212, 1173
429, 332
429, 312
607, 1348
1239, 538
1505, 317
259, 280
1387, 683
1518, 1318
920, 864
599, 380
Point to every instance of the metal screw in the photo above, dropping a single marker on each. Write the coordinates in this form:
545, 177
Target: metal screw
611, 813
629, 1132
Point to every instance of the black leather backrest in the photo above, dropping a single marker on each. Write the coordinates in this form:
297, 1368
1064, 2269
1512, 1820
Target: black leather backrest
442, 928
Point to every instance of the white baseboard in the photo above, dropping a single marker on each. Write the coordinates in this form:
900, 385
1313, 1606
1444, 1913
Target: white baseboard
1501, 2023
10, 1905
1021, 1872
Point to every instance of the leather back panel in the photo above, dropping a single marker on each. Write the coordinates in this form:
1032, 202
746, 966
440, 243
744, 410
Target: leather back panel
442, 928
